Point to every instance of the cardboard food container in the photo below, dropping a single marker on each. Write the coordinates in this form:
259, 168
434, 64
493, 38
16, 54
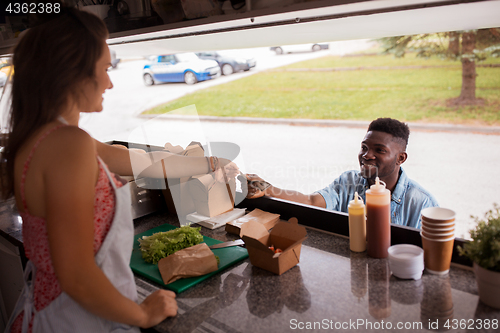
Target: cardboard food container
287, 236
268, 220
200, 194
210, 196
177, 195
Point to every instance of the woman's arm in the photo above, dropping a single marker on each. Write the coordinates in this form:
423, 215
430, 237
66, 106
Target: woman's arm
157, 164
133, 163
70, 175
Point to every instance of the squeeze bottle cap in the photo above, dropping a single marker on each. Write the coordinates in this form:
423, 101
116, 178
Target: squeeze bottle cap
357, 202
378, 187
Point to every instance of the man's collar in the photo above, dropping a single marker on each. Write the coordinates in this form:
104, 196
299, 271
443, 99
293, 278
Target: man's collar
399, 190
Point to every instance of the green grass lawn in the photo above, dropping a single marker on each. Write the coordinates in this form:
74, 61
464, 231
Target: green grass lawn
405, 94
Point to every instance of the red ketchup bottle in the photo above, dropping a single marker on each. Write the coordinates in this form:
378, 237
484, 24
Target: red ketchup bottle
378, 220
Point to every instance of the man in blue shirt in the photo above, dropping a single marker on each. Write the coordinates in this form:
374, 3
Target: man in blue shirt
383, 150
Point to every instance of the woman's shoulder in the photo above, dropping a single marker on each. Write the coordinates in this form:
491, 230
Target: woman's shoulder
68, 142
70, 137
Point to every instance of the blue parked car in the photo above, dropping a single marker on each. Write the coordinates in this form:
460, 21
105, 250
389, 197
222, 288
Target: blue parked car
181, 67
229, 65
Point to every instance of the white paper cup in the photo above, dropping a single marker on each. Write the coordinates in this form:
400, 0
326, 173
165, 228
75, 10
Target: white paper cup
437, 215
438, 230
440, 235
443, 225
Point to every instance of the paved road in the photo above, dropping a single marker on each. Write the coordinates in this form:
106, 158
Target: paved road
459, 168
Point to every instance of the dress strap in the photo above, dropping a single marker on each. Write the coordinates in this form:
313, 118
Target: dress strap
108, 173
28, 160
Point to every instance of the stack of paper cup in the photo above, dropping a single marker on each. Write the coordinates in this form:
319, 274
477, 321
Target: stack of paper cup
438, 237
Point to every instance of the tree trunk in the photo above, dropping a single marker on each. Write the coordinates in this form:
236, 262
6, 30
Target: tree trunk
468, 93
454, 44
468, 67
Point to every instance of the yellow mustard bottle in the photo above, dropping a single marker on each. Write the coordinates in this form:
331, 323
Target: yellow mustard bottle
357, 224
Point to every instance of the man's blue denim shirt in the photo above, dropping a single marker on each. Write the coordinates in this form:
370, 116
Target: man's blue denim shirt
407, 199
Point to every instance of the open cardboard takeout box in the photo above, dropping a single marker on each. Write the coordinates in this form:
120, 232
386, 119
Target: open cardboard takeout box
287, 236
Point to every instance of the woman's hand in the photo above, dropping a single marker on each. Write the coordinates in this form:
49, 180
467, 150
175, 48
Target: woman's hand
158, 306
230, 168
257, 187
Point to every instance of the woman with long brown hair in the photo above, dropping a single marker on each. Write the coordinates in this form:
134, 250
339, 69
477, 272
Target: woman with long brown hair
77, 225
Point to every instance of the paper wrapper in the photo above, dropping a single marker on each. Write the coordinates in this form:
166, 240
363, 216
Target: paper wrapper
192, 261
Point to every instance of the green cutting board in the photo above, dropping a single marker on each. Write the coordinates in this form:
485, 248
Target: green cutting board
228, 256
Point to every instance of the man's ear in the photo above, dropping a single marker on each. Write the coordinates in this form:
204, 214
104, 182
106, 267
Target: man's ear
401, 158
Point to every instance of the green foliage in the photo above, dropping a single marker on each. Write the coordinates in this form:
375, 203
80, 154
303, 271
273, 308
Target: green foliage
424, 45
397, 45
162, 244
494, 51
441, 45
484, 249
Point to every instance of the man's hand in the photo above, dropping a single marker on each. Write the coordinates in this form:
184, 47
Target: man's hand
230, 168
257, 187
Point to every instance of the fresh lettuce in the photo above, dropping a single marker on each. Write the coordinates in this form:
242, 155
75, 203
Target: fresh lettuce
162, 244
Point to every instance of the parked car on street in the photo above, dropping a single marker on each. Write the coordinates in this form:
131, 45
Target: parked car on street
299, 48
180, 67
5, 65
229, 65
114, 60
3, 79
5, 70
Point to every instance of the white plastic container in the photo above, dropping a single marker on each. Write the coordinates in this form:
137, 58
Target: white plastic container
406, 261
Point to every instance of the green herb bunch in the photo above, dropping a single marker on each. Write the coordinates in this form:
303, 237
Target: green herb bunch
484, 249
162, 244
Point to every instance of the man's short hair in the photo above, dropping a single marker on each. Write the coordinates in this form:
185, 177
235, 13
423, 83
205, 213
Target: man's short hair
394, 127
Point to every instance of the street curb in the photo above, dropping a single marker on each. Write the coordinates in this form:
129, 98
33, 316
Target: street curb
493, 130
375, 68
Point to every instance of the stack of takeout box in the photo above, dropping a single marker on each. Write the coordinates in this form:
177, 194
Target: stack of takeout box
202, 194
176, 194
212, 197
